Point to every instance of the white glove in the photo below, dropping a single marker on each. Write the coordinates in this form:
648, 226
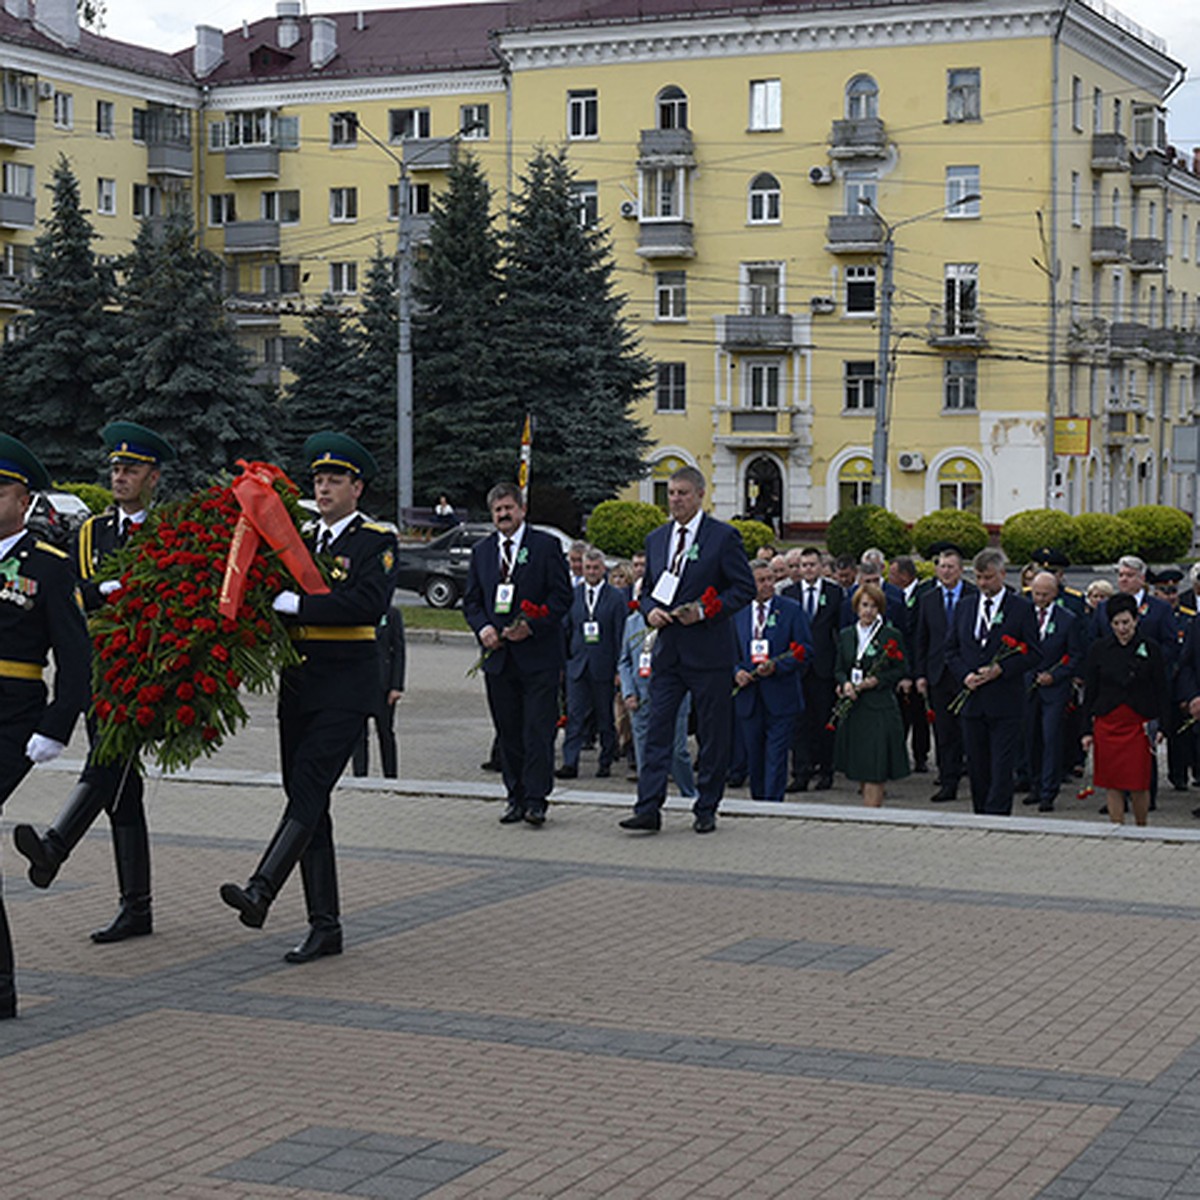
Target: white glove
41, 749
109, 586
286, 602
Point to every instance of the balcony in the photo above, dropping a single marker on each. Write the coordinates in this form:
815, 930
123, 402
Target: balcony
1110, 243
1119, 428
419, 227
265, 374
666, 147
756, 427
1147, 254
252, 162
430, 154
1150, 170
17, 212
1110, 152
756, 331
666, 239
1128, 337
858, 233
861, 137
252, 237
169, 158
12, 291
18, 129
950, 329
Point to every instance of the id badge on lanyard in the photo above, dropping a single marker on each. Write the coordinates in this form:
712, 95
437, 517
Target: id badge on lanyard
760, 651
665, 588
505, 592
591, 631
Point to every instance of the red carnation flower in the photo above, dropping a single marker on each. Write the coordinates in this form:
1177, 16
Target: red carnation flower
185, 714
210, 733
220, 653
1009, 641
145, 716
185, 691
120, 715
710, 602
798, 651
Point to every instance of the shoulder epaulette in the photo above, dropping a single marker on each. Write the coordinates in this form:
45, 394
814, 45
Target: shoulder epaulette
375, 527
1072, 591
49, 549
1187, 612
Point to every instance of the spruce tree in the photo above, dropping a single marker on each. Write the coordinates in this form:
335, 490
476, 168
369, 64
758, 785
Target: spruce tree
182, 371
49, 378
570, 358
375, 425
467, 425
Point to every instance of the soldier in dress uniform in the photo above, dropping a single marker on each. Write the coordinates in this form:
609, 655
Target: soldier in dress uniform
135, 456
1179, 744
325, 699
40, 611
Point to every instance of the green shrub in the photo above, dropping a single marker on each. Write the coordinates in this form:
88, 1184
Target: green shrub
1162, 534
854, 530
619, 527
1099, 538
754, 534
962, 528
96, 497
1026, 532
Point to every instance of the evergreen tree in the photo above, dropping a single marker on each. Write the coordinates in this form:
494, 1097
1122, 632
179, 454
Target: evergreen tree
467, 425
570, 357
375, 425
49, 378
182, 371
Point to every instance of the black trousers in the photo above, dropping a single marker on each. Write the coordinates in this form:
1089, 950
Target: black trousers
314, 747
812, 750
384, 717
524, 708
912, 714
947, 730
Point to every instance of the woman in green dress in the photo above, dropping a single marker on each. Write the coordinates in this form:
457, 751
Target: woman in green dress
869, 747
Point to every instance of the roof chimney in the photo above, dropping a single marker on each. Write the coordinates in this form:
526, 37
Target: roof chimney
58, 19
1196, 160
17, 8
288, 34
324, 41
209, 50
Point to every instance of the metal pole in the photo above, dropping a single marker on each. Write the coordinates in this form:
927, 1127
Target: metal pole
879, 444
404, 354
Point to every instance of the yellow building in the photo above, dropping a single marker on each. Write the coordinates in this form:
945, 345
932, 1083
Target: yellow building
758, 166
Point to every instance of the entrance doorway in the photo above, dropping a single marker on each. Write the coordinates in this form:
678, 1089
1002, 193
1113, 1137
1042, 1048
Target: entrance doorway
763, 500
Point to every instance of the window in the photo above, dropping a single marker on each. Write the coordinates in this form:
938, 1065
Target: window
1184, 245
762, 385
20, 92
474, 122
139, 125
1097, 111
960, 183
64, 110
861, 186
216, 135
408, 123
670, 295
18, 179
281, 279
854, 483
1116, 206
672, 108
104, 118
1118, 298
583, 114
960, 386
586, 195
147, 201
1149, 127
962, 94
1076, 103
343, 204
766, 104
763, 287
862, 98
662, 193
1096, 202
420, 199
343, 129
960, 485
860, 386
222, 208
283, 207
1117, 114
670, 388
343, 278
1152, 219
106, 197
860, 290
1168, 229
962, 298
1076, 200
254, 127
764, 200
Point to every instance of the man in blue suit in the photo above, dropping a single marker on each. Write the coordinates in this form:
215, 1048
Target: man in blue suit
992, 716
697, 577
1156, 621
518, 592
594, 628
1054, 660
767, 675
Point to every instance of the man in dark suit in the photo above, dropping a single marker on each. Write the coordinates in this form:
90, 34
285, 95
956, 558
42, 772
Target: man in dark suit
595, 626
821, 601
1155, 619
902, 575
1187, 680
934, 680
697, 577
992, 714
518, 592
393, 660
325, 698
40, 614
1054, 660
767, 676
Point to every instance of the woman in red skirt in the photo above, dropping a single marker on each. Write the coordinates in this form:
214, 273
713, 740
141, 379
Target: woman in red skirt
1125, 688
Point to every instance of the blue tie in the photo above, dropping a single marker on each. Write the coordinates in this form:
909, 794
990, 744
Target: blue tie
949, 607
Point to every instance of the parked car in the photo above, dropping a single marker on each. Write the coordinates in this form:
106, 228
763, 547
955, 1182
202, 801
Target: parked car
56, 517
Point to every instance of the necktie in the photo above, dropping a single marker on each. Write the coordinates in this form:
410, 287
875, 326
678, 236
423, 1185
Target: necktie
122, 530
810, 601
323, 542
949, 607
985, 623
506, 560
677, 561
591, 599
761, 623
1043, 617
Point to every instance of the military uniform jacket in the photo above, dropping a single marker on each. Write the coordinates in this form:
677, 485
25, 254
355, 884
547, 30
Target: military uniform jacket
335, 633
98, 537
39, 613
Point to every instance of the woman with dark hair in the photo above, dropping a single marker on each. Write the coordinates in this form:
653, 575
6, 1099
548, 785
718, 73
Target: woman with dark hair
1125, 688
870, 662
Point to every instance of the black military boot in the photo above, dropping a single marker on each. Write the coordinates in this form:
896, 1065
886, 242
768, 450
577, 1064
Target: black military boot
282, 854
318, 870
131, 847
8, 991
48, 852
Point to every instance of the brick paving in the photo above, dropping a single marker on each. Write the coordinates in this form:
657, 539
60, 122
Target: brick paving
806, 1005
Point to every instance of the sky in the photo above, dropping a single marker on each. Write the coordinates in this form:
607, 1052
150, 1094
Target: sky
169, 25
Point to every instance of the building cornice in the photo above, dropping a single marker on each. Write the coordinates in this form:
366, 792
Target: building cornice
340, 91
104, 77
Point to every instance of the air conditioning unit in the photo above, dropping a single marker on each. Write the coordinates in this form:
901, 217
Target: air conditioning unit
45, 89
629, 209
823, 304
820, 176
910, 460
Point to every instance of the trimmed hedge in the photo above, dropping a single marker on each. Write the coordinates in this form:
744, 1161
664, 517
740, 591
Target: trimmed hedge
955, 525
854, 530
619, 527
1163, 534
754, 534
1035, 528
96, 497
1100, 538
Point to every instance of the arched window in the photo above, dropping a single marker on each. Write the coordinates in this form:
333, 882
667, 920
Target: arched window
661, 474
960, 485
862, 98
854, 483
672, 108
764, 199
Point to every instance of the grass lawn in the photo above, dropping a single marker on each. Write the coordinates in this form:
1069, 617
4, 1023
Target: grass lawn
423, 617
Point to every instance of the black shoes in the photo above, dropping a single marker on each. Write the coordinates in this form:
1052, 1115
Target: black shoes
8, 1004
943, 797
797, 785
823, 784
251, 902
646, 822
603, 772
535, 815
282, 854
318, 944
705, 823
43, 861
513, 814
566, 772
133, 919
1031, 799
1045, 806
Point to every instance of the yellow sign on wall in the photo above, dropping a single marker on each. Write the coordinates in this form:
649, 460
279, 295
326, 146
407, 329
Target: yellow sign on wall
1072, 435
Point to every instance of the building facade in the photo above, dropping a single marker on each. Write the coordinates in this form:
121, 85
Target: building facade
969, 209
